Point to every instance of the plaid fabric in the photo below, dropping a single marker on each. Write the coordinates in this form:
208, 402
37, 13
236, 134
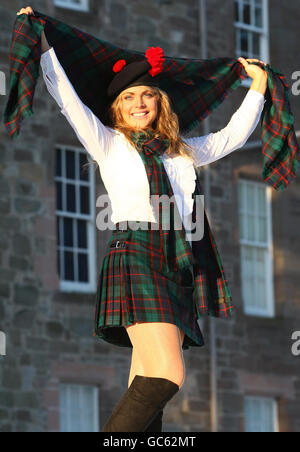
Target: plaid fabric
211, 292
130, 289
175, 250
212, 295
154, 275
195, 86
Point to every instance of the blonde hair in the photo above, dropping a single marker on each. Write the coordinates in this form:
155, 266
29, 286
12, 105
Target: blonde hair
165, 124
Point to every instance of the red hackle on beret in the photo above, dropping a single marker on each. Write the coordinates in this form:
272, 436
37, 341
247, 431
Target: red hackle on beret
118, 66
155, 56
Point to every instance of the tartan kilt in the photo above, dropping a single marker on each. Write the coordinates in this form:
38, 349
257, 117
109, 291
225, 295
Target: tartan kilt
131, 289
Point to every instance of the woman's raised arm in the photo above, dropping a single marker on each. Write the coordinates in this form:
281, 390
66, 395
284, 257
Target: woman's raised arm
94, 136
214, 146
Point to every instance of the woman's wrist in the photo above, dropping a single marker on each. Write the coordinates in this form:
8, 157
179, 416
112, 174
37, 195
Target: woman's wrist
260, 83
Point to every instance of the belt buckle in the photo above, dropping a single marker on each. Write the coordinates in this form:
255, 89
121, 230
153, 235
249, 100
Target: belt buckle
118, 244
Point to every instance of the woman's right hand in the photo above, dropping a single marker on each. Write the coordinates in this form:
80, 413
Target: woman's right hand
44, 43
27, 10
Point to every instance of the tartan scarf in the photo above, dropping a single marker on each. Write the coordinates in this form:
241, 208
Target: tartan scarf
211, 292
196, 87
174, 247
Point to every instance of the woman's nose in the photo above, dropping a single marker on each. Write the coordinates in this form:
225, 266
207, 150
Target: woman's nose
140, 102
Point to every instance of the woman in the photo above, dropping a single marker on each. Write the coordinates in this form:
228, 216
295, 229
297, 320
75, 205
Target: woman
158, 295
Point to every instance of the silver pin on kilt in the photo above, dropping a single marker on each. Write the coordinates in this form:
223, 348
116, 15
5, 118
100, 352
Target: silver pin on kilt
118, 244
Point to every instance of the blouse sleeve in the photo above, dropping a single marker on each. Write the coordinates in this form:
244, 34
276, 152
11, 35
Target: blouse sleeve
94, 136
214, 146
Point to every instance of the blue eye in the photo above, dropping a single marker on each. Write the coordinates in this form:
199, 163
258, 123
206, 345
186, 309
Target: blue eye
148, 94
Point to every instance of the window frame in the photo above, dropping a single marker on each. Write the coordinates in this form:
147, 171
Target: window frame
274, 408
83, 6
63, 410
91, 285
264, 36
269, 311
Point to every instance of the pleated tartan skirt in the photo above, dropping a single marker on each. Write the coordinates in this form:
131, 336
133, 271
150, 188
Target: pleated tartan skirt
131, 288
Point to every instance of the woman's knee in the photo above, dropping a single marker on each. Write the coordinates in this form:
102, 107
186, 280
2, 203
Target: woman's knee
159, 348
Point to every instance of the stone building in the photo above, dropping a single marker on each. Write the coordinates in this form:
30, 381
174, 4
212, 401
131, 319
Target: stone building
55, 375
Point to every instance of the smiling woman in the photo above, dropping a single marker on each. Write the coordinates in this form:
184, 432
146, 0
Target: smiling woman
127, 115
152, 284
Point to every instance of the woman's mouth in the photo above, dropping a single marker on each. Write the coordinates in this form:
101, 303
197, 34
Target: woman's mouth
140, 115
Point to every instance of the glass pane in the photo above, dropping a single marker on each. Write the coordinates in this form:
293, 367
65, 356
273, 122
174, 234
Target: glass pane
82, 234
244, 41
84, 173
243, 226
58, 196
58, 162
58, 230
236, 11
250, 198
261, 195
83, 267
259, 415
256, 45
71, 204
68, 232
251, 227
246, 13
247, 285
58, 262
237, 42
267, 408
62, 408
70, 164
258, 17
75, 408
84, 200
87, 409
252, 416
69, 266
260, 278
262, 229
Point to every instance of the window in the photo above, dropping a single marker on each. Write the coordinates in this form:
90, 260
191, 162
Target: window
78, 5
256, 248
260, 415
75, 214
252, 31
78, 408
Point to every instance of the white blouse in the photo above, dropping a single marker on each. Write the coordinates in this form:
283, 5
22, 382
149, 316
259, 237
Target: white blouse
121, 167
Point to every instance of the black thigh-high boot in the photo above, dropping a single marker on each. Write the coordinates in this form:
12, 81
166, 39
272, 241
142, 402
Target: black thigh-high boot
156, 424
140, 404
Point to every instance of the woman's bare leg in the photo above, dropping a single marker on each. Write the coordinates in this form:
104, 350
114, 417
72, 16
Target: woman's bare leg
136, 367
157, 351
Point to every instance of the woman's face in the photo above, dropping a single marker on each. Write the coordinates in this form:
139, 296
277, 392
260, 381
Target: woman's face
139, 106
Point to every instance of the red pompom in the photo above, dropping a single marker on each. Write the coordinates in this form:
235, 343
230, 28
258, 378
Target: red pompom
155, 56
118, 66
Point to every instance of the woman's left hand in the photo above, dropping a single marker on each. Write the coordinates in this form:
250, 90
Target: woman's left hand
252, 70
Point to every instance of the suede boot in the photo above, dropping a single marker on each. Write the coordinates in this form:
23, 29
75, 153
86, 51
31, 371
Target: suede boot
156, 424
140, 404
